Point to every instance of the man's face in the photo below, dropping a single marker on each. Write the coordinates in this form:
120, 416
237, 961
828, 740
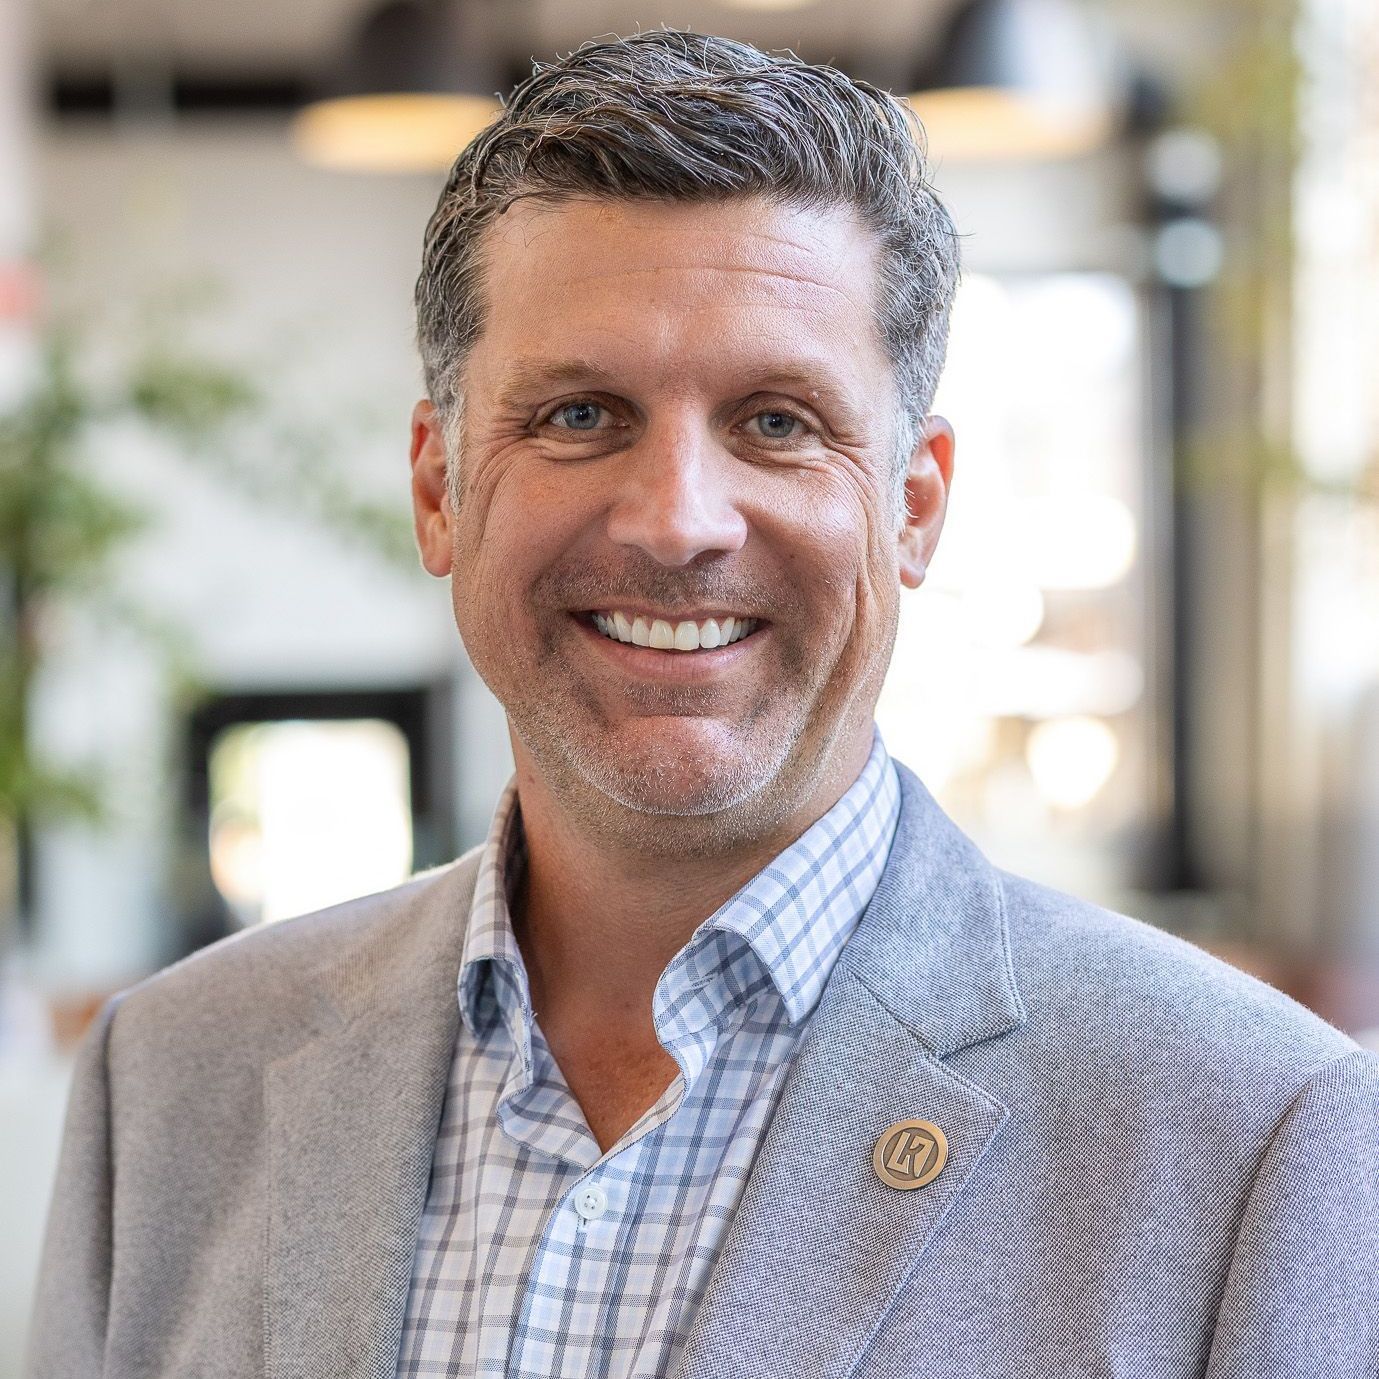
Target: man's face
679, 413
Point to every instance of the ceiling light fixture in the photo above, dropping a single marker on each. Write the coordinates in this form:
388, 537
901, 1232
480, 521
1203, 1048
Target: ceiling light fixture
417, 82
1018, 79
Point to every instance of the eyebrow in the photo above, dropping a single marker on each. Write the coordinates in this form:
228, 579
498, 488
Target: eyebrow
811, 382
531, 375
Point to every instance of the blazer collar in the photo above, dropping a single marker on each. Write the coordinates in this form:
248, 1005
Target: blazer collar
934, 945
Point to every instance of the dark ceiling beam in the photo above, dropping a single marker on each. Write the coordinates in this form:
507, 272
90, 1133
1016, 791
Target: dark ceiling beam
97, 93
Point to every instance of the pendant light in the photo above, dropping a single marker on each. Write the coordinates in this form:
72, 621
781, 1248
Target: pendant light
418, 80
1016, 79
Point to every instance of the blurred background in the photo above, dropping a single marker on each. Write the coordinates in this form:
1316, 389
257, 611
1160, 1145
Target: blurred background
1144, 667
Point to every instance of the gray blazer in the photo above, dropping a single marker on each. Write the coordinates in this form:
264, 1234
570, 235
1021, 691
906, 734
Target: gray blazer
1157, 1165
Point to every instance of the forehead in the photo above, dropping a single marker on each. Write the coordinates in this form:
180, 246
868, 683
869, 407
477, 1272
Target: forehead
666, 289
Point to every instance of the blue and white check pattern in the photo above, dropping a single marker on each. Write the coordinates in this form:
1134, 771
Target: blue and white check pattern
509, 1277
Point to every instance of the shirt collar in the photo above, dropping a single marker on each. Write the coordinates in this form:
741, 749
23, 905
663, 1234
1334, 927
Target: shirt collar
795, 915
493, 977
798, 912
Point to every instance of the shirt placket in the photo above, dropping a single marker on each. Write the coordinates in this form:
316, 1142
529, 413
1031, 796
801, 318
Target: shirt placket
586, 1234
561, 1321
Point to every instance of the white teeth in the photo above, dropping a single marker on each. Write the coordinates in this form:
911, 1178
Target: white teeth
663, 635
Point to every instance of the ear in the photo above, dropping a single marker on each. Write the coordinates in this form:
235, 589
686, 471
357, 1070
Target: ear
926, 499
431, 515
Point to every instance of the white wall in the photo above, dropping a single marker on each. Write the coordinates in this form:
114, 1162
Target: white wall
317, 270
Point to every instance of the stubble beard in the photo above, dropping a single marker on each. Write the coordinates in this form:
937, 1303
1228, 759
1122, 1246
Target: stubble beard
665, 804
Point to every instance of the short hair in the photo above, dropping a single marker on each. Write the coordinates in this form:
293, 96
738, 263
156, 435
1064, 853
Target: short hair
671, 115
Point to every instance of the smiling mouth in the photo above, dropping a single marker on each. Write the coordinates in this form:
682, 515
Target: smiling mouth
663, 634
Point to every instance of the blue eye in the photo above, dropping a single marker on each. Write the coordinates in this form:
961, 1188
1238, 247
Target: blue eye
587, 411
785, 417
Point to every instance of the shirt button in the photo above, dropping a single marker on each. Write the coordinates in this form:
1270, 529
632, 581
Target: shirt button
591, 1202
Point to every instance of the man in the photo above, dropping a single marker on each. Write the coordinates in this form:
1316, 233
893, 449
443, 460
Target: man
726, 1054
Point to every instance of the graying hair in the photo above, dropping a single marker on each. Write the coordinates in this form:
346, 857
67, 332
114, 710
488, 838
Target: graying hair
678, 116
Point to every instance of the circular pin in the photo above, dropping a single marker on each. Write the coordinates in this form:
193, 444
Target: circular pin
910, 1153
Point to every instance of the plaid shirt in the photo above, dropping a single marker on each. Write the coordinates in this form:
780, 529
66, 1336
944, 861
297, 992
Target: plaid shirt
541, 1256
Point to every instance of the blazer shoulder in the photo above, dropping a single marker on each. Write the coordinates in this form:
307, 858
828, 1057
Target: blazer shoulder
267, 974
1114, 981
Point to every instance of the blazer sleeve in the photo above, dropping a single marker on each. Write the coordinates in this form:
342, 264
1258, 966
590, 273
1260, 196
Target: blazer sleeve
1302, 1291
68, 1323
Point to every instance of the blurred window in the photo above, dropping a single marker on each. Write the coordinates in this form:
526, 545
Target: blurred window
304, 814
1018, 686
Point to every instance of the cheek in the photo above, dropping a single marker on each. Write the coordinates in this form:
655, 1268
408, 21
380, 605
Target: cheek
506, 510
523, 523
488, 571
829, 553
860, 529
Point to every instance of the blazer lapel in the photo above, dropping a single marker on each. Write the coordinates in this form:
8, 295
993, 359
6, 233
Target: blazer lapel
352, 1117
820, 1246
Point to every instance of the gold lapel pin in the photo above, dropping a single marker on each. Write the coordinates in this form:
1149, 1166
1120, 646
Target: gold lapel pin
910, 1153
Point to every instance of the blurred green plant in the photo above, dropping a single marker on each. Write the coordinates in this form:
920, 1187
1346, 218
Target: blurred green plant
62, 527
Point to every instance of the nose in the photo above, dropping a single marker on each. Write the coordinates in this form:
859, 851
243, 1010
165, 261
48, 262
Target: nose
675, 498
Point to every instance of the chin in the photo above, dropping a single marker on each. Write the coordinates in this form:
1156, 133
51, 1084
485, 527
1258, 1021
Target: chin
678, 773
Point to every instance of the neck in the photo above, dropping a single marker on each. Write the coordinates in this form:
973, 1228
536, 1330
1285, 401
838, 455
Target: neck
598, 919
